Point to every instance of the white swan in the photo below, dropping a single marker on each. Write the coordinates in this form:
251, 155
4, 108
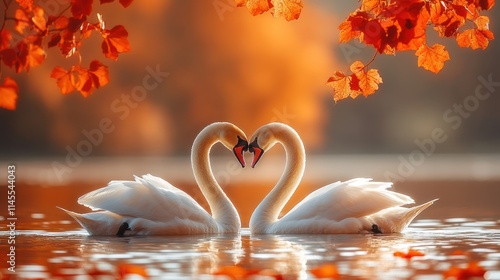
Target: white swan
354, 206
152, 206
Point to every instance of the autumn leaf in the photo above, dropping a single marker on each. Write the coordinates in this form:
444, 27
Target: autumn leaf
35, 56
288, 9
233, 272
410, 254
99, 73
472, 271
64, 79
115, 42
81, 8
23, 56
474, 38
257, 7
432, 58
5, 39
373, 6
38, 18
341, 85
328, 271
125, 270
8, 94
368, 80
22, 21
352, 26
81, 79
25, 4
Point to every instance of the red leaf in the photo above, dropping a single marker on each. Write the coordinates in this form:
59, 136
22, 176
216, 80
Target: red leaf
352, 26
64, 79
5, 39
81, 8
99, 73
16, 57
8, 94
115, 42
126, 3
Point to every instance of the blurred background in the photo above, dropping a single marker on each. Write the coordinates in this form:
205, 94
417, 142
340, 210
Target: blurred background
225, 65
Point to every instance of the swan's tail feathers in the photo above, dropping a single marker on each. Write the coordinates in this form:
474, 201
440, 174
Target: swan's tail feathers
78, 217
97, 223
397, 219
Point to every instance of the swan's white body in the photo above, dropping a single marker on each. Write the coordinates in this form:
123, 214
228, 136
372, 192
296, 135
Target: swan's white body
354, 206
152, 206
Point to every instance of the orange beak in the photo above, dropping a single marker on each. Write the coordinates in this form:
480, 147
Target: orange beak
239, 149
257, 152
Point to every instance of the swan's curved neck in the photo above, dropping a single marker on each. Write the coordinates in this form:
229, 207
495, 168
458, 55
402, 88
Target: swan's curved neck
269, 209
221, 207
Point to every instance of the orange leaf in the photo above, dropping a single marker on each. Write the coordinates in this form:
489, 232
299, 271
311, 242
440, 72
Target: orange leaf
99, 73
22, 21
432, 58
352, 26
39, 18
482, 23
475, 38
472, 271
368, 80
35, 56
373, 6
8, 94
329, 271
341, 85
25, 4
64, 79
257, 7
115, 42
411, 253
128, 269
288, 9
233, 272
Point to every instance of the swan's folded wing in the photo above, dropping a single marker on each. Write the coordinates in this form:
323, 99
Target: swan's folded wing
353, 198
148, 197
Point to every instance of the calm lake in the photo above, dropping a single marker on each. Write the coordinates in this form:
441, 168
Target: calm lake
458, 235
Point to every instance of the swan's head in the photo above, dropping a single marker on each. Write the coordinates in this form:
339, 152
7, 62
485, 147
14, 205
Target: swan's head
234, 139
264, 139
